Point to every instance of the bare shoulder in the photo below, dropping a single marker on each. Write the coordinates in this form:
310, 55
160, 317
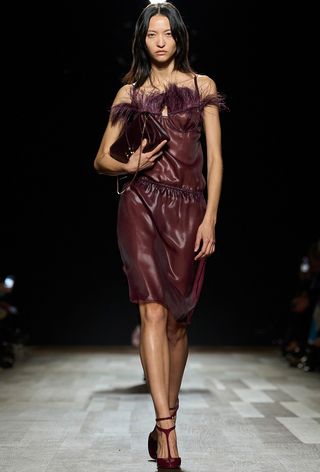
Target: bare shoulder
206, 85
123, 95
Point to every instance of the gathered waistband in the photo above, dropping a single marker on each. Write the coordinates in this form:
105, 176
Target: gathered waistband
145, 181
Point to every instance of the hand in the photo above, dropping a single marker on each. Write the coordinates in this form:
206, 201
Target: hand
147, 158
206, 234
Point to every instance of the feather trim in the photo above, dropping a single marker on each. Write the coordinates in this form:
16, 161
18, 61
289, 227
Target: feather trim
122, 112
216, 99
153, 101
176, 99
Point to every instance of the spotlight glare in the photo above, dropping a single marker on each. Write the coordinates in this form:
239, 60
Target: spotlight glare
156, 1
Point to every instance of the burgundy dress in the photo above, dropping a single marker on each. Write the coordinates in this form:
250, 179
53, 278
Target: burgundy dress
159, 214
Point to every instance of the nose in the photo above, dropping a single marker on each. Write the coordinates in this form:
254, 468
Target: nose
161, 41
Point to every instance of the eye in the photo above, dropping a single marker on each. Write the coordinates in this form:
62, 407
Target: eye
150, 35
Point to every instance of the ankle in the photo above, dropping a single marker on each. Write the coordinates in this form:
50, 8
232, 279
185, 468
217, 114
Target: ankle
164, 416
173, 404
174, 408
165, 423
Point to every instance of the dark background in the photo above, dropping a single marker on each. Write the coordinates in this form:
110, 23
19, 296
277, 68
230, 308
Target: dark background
58, 216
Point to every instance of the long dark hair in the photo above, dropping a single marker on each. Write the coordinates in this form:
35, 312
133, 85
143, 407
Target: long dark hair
141, 66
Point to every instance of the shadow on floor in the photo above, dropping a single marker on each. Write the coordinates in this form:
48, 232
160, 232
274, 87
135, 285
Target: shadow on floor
143, 388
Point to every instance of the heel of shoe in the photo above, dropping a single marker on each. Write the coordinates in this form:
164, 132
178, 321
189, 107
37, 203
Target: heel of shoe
167, 462
152, 446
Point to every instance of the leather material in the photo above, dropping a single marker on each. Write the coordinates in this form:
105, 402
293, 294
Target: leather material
153, 443
159, 215
171, 463
152, 447
156, 232
144, 125
168, 462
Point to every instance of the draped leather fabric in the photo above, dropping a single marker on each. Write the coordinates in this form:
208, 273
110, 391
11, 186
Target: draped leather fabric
159, 214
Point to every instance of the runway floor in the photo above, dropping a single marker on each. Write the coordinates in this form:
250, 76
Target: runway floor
87, 409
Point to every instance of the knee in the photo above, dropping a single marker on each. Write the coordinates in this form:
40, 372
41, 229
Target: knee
153, 314
176, 333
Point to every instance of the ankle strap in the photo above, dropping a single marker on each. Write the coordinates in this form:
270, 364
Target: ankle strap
176, 408
162, 419
166, 430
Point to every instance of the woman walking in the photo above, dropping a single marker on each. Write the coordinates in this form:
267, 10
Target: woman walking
165, 226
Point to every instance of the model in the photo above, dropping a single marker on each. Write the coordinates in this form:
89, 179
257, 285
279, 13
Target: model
166, 226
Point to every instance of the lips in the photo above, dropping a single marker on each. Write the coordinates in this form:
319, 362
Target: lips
161, 52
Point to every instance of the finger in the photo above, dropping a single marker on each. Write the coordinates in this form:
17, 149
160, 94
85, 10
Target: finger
153, 158
148, 164
144, 143
197, 243
157, 148
151, 161
200, 254
211, 250
205, 247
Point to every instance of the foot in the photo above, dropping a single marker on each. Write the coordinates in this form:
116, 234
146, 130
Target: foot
162, 451
173, 412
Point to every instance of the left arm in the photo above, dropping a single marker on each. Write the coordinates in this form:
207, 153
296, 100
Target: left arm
211, 120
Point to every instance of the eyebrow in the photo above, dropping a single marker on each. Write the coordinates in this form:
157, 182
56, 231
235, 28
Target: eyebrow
153, 31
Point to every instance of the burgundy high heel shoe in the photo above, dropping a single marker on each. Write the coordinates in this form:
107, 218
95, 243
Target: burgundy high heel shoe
153, 443
167, 462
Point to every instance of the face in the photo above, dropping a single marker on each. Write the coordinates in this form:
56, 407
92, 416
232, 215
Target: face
159, 40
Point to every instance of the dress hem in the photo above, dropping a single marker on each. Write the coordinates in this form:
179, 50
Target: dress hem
185, 321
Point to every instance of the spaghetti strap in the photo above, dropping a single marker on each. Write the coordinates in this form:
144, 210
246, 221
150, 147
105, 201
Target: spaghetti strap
196, 85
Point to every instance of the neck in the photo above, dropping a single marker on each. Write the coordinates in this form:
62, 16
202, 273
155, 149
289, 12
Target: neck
162, 74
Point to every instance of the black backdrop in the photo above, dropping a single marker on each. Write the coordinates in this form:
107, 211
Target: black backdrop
59, 217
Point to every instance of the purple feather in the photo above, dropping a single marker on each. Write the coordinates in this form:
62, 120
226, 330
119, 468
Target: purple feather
177, 99
122, 112
216, 99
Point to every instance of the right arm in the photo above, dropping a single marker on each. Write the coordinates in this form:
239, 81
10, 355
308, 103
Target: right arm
105, 164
